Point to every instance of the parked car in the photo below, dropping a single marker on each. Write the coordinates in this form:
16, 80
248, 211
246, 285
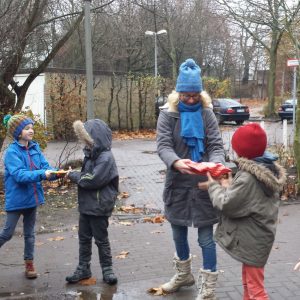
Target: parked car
285, 111
227, 109
159, 101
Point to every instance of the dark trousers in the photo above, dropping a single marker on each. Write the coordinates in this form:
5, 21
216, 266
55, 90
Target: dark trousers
89, 227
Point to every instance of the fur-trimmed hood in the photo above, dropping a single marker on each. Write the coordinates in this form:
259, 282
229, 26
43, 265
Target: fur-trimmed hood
273, 183
95, 134
173, 100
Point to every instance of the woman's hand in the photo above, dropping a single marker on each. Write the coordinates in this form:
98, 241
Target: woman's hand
182, 167
205, 185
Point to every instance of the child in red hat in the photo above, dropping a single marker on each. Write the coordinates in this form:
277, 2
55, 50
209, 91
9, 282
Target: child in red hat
249, 206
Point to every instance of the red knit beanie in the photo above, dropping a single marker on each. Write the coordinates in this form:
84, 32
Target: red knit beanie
249, 141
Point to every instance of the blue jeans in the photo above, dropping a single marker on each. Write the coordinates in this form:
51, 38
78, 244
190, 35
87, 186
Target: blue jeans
205, 241
12, 218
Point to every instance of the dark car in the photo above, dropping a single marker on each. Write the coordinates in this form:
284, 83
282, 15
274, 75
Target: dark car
285, 111
159, 101
227, 109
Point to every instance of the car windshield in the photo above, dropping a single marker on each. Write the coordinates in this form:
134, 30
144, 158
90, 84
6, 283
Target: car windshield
290, 101
229, 102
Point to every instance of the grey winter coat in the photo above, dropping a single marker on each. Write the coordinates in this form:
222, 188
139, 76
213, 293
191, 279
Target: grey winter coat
185, 204
249, 207
98, 180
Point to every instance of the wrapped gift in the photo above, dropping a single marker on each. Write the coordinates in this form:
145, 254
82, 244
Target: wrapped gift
215, 169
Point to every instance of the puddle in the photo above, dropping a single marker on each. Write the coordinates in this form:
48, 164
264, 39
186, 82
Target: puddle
106, 293
149, 152
88, 293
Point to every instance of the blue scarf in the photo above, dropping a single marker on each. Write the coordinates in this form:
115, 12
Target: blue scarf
192, 129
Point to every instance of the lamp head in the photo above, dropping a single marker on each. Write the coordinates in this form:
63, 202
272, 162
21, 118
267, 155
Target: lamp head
163, 31
149, 32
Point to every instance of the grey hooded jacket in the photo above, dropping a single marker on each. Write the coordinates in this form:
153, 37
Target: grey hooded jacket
185, 203
98, 180
249, 211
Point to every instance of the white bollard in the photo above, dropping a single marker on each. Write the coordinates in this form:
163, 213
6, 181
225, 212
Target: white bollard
284, 133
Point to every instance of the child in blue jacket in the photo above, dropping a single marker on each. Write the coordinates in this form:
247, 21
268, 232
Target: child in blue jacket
25, 168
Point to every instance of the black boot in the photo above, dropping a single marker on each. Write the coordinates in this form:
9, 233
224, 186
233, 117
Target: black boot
109, 276
83, 271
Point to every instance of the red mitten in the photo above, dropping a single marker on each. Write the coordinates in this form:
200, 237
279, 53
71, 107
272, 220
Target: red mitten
215, 169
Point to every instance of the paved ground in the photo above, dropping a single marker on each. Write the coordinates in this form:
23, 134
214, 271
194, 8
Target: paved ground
150, 246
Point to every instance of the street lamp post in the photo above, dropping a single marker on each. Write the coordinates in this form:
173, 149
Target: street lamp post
88, 59
163, 31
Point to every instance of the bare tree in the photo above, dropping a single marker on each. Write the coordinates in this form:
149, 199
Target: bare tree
26, 41
265, 21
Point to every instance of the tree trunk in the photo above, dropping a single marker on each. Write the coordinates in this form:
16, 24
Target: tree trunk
109, 109
245, 78
272, 79
297, 134
297, 147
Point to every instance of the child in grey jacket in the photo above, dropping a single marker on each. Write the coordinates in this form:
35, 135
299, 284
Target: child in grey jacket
98, 184
249, 207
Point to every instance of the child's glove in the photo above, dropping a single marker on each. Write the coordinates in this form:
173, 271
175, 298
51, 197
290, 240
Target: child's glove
297, 266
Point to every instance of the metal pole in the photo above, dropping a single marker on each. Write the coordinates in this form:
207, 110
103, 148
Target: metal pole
155, 64
294, 99
88, 60
155, 56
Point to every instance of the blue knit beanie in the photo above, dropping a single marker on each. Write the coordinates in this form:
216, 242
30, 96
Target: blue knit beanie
189, 78
15, 124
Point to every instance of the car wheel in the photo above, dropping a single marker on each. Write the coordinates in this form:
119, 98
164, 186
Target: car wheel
219, 119
240, 122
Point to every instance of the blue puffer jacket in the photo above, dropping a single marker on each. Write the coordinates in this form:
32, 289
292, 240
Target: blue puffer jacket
24, 170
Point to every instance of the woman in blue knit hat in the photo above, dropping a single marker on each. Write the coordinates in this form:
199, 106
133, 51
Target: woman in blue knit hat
25, 168
187, 130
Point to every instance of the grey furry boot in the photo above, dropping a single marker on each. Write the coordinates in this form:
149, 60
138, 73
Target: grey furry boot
206, 285
183, 276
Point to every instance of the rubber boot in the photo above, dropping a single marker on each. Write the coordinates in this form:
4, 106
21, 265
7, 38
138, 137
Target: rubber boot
30, 271
206, 285
83, 271
109, 276
183, 276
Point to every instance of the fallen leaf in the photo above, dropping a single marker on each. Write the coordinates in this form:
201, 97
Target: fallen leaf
51, 191
39, 244
158, 219
157, 231
147, 220
125, 223
122, 254
131, 209
157, 291
58, 238
123, 195
89, 281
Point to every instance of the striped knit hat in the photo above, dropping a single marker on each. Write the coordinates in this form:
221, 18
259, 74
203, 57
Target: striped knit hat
15, 124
